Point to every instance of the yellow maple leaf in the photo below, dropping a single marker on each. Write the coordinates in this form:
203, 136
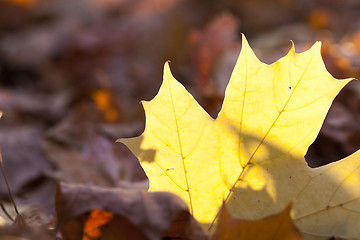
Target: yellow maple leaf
252, 155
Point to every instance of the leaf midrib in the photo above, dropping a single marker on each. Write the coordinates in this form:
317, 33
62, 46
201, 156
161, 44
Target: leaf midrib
180, 149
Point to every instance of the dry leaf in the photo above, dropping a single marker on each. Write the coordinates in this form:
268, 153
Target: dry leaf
71, 147
25, 166
96, 219
86, 212
277, 226
208, 45
252, 155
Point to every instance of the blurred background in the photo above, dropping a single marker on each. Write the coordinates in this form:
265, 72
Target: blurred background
72, 74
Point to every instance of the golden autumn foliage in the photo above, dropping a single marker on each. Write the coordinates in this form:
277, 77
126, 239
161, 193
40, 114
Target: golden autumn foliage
252, 155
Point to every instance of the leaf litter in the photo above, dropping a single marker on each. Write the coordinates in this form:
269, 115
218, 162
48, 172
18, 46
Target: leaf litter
76, 45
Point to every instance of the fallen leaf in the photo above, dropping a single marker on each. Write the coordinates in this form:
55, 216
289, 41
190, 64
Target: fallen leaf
319, 18
31, 224
71, 147
208, 45
25, 166
278, 226
106, 226
103, 101
96, 219
115, 213
27, 233
252, 155
23, 107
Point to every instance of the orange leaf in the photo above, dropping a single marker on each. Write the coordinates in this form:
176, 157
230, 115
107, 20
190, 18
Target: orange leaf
104, 102
92, 226
319, 18
122, 214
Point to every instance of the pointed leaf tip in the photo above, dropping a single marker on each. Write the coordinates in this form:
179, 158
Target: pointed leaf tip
244, 42
167, 70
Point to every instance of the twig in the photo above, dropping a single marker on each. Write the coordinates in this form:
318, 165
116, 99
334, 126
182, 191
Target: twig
7, 185
6, 212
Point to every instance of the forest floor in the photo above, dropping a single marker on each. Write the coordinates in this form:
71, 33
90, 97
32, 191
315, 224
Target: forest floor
72, 74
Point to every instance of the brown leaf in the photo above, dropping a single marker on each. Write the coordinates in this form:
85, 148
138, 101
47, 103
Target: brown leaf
129, 214
21, 229
24, 168
103, 225
277, 226
75, 142
184, 226
208, 45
